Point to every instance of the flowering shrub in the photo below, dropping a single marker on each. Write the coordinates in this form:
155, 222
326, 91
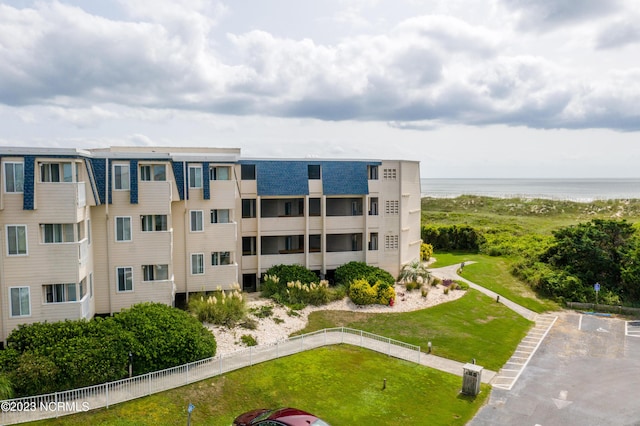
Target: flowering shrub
298, 294
222, 307
362, 293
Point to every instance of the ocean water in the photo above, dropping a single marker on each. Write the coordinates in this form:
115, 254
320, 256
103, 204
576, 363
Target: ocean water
582, 190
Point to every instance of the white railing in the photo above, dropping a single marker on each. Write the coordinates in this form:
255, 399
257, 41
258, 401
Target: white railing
78, 400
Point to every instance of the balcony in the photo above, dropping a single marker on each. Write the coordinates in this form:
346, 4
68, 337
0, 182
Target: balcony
267, 261
156, 196
223, 194
82, 309
60, 202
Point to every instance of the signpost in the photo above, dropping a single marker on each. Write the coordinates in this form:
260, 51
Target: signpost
189, 410
596, 287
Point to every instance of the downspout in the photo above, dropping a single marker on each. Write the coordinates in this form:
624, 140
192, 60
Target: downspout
186, 230
106, 215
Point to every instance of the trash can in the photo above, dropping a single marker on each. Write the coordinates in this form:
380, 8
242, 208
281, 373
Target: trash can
471, 379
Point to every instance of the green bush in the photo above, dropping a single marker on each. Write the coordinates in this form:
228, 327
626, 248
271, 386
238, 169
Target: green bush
165, 337
363, 293
47, 357
453, 237
220, 307
292, 273
248, 340
352, 271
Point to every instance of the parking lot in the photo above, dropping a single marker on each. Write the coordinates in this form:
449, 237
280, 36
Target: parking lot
585, 372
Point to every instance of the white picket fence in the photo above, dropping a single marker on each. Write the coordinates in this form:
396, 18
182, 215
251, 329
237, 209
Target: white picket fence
78, 400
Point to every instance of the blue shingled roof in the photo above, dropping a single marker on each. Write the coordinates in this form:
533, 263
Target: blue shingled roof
291, 177
282, 177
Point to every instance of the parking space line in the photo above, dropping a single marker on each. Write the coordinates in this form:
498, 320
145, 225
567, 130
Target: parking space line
528, 346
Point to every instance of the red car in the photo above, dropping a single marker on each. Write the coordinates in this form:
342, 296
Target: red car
278, 417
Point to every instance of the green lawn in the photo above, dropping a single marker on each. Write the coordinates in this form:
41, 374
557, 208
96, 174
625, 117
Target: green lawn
342, 384
473, 326
493, 273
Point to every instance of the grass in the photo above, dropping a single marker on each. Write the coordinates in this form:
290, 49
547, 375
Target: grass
473, 326
523, 216
342, 384
493, 273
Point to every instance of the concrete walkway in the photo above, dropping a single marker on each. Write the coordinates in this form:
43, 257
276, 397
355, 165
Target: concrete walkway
451, 273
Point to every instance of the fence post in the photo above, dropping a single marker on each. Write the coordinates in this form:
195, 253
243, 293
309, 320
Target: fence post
187, 375
149, 384
106, 387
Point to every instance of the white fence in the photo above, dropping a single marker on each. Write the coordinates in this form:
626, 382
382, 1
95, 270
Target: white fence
78, 400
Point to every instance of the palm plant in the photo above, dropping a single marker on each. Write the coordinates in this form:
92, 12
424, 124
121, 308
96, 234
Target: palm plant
414, 272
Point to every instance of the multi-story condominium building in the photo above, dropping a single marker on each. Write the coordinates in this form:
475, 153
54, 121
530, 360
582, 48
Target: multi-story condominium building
89, 232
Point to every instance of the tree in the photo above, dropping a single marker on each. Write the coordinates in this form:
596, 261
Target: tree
595, 251
414, 272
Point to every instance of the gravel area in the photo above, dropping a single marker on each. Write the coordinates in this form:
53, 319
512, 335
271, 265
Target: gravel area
280, 324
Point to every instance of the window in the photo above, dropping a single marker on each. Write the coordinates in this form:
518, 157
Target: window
197, 264
248, 172
220, 216
57, 233
82, 286
121, 179
17, 240
373, 206
248, 246
123, 229
56, 172
314, 171
153, 172
153, 222
314, 207
315, 243
373, 241
389, 174
197, 224
391, 207
373, 172
391, 242
20, 301
14, 177
59, 293
155, 272
220, 258
220, 173
195, 177
248, 208
125, 278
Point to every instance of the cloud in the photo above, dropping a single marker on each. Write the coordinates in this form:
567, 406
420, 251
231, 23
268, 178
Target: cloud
618, 34
427, 70
548, 14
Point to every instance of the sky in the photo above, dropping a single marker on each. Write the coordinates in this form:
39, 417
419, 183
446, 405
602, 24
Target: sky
494, 88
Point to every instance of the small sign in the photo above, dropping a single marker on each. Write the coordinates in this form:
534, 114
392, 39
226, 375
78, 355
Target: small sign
191, 407
596, 286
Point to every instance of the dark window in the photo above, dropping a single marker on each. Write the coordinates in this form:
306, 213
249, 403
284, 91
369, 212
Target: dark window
248, 246
248, 172
314, 207
248, 208
314, 171
373, 172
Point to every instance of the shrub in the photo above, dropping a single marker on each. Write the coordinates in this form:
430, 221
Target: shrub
362, 293
47, 357
352, 271
220, 307
297, 294
411, 285
165, 337
248, 340
6, 388
292, 273
425, 292
263, 311
416, 272
426, 252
